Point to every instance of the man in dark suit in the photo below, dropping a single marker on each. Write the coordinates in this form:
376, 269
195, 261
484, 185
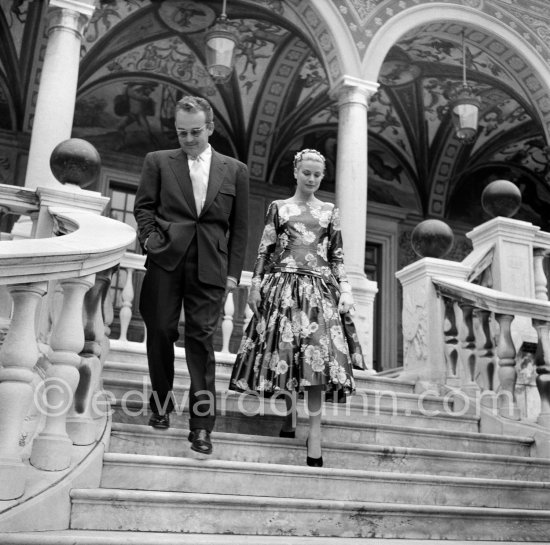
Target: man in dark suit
191, 208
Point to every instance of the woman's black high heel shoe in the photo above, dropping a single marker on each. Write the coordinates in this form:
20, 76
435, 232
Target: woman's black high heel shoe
288, 434
314, 462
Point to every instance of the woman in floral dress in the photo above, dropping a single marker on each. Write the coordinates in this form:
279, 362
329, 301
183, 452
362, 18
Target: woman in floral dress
301, 337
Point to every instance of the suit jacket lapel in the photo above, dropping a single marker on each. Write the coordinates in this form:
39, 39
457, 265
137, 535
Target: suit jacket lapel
180, 167
214, 180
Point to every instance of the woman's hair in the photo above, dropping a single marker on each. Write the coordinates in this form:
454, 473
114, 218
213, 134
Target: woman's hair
311, 154
195, 104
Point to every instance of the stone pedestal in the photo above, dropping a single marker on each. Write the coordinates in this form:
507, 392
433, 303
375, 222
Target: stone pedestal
364, 292
512, 269
423, 317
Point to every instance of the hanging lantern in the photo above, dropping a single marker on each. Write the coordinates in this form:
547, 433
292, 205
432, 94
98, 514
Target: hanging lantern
465, 105
221, 40
465, 111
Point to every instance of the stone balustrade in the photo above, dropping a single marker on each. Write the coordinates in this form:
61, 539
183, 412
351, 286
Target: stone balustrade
479, 348
472, 325
132, 263
50, 360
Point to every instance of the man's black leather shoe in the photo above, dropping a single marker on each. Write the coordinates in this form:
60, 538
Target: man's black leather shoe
160, 421
200, 441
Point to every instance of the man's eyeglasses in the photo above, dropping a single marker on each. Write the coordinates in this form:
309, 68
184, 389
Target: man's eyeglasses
192, 132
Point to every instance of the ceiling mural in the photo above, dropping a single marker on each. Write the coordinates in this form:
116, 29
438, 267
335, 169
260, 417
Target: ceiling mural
139, 57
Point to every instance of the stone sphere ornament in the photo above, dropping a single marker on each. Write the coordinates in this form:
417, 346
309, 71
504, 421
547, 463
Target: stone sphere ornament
75, 161
501, 198
432, 238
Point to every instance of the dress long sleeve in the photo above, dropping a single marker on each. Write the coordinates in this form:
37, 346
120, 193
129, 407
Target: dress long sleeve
336, 249
267, 245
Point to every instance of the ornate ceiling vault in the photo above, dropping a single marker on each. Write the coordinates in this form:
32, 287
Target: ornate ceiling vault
140, 56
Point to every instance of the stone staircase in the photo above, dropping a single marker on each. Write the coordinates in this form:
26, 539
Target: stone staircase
399, 468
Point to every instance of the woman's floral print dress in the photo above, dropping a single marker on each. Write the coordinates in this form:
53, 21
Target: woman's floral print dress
301, 339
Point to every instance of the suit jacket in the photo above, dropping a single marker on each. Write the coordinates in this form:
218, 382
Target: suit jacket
166, 214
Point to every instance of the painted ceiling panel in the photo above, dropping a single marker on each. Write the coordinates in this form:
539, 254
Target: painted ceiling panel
531, 153
441, 43
256, 48
15, 14
503, 115
108, 15
385, 121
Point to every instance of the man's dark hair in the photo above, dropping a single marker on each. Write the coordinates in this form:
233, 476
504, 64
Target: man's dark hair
195, 104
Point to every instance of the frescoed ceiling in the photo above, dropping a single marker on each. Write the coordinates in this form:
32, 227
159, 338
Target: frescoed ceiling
140, 56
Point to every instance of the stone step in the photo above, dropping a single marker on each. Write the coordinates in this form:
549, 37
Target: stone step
139, 439
213, 476
148, 511
341, 429
135, 375
385, 408
97, 537
133, 364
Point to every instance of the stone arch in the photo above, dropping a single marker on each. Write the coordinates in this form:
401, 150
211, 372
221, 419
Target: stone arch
526, 64
332, 42
332, 36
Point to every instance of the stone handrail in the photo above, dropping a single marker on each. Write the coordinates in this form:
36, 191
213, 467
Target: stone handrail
492, 300
90, 243
51, 357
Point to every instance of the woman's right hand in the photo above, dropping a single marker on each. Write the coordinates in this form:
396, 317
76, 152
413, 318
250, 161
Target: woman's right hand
254, 300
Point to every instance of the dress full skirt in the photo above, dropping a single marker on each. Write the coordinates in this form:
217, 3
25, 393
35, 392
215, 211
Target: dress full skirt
299, 340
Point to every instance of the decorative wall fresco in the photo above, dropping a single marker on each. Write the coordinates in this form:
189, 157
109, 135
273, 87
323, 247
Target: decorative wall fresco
134, 117
140, 56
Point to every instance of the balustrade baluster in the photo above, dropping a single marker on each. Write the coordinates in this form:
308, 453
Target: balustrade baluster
486, 354
541, 282
507, 374
450, 332
227, 324
52, 448
468, 346
81, 426
542, 362
127, 296
18, 356
107, 305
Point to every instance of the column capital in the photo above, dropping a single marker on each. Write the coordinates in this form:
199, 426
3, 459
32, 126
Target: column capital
70, 15
84, 7
351, 89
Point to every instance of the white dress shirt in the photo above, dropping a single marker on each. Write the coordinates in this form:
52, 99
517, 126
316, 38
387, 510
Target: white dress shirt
199, 170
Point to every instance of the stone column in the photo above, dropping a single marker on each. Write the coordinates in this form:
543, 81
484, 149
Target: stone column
54, 112
351, 196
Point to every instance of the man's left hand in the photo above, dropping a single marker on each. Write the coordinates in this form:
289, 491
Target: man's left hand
230, 285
